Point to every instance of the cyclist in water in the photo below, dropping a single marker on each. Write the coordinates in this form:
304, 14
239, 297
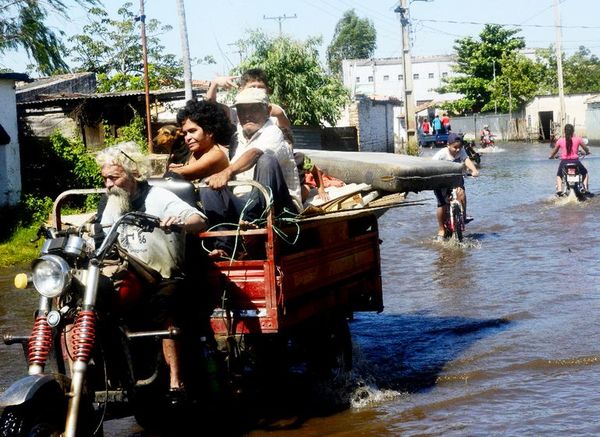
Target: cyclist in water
569, 153
453, 152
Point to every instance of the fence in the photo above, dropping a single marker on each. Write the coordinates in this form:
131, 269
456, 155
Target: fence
504, 126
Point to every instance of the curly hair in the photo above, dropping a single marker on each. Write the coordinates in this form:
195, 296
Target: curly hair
210, 116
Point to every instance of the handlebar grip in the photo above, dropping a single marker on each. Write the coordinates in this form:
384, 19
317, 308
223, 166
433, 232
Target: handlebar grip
176, 227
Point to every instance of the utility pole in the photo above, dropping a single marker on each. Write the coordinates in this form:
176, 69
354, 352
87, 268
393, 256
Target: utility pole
559, 71
494, 73
409, 99
185, 51
142, 20
239, 50
280, 19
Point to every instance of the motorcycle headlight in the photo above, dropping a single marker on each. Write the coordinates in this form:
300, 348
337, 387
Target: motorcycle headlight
51, 275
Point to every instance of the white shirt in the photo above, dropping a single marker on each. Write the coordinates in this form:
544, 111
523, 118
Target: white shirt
158, 250
444, 155
269, 139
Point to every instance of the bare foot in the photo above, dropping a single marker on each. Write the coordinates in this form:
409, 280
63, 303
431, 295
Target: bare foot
218, 253
244, 225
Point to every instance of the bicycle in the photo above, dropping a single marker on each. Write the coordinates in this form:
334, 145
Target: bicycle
454, 221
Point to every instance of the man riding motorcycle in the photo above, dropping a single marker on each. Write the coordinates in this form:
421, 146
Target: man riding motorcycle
124, 170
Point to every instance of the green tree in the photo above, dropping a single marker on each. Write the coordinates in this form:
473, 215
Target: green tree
23, 25
354, 38
581, 71
476, 64
518, 83
298, 81
112, 49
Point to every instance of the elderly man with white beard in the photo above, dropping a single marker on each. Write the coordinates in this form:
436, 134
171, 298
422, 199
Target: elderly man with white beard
125, 170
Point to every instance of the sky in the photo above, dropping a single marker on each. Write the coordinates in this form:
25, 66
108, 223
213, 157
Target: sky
214, 27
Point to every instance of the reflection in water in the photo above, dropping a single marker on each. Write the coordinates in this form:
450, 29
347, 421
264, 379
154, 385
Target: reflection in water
496, 336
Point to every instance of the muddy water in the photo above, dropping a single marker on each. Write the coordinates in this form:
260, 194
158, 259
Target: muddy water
498, 336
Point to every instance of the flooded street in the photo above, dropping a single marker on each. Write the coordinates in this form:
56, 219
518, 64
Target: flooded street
496, 337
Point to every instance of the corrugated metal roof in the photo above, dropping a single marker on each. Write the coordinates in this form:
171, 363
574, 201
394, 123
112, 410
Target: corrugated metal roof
15, 76
44, 99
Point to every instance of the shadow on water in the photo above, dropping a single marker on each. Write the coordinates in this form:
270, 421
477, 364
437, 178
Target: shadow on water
407, 353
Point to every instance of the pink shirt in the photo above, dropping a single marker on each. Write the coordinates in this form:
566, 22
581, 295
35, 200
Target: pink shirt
562, 143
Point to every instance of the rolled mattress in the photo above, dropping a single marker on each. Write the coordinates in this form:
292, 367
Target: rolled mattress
387, 171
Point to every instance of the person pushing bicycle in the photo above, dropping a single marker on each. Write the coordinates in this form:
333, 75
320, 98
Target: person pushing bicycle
453, 152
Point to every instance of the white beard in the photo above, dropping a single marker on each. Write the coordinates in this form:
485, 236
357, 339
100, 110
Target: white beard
118, 203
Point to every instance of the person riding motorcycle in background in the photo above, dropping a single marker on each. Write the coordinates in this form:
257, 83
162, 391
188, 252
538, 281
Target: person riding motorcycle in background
569, 153
486, 136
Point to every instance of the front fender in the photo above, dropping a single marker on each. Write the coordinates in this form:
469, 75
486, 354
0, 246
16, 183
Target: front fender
26, 388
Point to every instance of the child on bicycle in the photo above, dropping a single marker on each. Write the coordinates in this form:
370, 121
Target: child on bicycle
453, 152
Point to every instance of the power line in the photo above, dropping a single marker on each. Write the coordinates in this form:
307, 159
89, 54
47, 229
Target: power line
506, 24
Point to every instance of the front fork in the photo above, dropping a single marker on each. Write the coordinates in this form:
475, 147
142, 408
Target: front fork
84, 334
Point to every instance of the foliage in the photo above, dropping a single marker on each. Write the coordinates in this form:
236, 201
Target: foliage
84, 171
36, 210
19, 249
518, 83
297, 79
134, 131
354, 38
111, 48
23, 25
477, 63
581, 72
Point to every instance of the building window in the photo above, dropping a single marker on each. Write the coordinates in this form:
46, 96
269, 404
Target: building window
386, 77
357, 79
445, 74
370, 78
430, 75
400, 77
416, 76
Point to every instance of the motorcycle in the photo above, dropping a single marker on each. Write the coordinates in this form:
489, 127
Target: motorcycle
487, 141
473, 155
572, 182
104, 366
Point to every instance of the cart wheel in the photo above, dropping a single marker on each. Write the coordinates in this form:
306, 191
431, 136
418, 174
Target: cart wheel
330, 356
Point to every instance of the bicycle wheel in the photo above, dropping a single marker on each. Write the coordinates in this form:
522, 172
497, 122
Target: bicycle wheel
458, 222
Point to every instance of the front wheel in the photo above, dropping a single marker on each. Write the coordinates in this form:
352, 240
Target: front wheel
458, 222
44, 416
27, 420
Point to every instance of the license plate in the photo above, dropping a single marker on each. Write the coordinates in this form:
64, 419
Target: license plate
572, 178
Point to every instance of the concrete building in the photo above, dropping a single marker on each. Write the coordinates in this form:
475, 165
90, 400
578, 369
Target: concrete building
384, 77
542, 113
10, 165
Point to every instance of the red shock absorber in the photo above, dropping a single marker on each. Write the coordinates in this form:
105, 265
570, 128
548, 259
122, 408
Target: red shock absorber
40, 341
84, 334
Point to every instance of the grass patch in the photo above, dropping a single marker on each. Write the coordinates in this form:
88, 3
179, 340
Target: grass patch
18, 249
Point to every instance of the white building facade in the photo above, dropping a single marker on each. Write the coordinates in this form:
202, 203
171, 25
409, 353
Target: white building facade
384, 77
10, 163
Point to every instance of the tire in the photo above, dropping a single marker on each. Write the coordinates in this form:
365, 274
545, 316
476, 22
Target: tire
29, 420
458, 220
331, 352
44, 416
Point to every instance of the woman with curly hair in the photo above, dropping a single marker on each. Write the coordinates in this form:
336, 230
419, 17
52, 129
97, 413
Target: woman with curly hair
207, 131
